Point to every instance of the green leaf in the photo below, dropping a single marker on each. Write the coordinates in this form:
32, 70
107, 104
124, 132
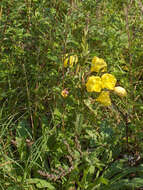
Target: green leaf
103, 180
41, 183
137, 182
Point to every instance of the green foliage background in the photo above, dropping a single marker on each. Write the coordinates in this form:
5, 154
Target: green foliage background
51, 142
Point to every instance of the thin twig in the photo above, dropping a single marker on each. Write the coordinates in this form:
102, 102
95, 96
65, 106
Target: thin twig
6, 163
28, 97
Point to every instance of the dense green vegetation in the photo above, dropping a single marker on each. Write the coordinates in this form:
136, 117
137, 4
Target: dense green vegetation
54, 134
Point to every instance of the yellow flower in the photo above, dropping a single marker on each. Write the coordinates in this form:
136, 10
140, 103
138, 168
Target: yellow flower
120, 91
70, 60
108, 81
66, 60
64, 93
94, 84
104, 98
98, 64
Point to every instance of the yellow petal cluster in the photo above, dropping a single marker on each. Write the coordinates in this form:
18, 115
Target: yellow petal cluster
120, 91
104, 98
73, 59
98, 64
94, 84
108, 81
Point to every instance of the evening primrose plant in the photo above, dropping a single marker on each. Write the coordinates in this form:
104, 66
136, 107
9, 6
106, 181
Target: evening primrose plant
54, 133
104, 84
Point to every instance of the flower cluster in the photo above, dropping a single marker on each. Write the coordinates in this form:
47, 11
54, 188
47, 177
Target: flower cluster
106, 81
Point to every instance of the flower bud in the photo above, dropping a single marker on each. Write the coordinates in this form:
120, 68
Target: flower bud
64, 93
120, 91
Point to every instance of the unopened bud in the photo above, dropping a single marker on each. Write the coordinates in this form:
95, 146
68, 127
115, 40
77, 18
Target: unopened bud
120, 91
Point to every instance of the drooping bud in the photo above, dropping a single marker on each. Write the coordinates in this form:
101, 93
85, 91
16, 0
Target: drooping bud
120, 91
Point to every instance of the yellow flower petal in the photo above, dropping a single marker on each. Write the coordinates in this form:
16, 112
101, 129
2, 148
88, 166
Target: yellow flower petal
104, 98
94, 84
71, 61
66, 60
120, 91
98, 64
75, 59
108, 81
